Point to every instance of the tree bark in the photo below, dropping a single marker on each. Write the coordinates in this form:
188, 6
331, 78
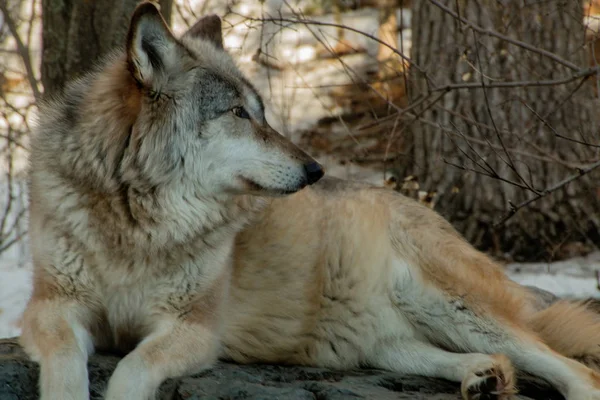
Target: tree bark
473, 128
77, 33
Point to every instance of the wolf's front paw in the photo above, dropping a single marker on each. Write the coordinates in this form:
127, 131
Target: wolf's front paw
490, 382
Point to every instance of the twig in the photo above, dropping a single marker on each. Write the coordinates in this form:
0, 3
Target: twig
544, 156
583, 73
12, 140
505, 38
23, 50
421, 112
576, 140
179, 10
558, 135
6, 245
9, 196
340, 26
510, 162
547, 191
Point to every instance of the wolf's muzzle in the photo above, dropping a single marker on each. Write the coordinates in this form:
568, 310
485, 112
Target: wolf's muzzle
314, 172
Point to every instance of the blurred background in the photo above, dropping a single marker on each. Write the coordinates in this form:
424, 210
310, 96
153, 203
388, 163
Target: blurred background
485, 110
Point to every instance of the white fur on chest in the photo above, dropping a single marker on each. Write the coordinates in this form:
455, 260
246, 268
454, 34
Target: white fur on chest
136, 299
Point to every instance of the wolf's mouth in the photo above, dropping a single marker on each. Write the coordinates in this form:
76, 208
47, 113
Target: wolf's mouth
252, 185
256, 188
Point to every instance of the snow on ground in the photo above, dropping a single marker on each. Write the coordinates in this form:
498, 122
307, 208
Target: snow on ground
15, 268
15, 289
561, 285
573, 278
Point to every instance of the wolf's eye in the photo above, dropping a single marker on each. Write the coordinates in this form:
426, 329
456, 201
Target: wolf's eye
240, 112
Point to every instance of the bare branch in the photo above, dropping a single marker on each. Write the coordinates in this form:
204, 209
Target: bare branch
546, 192
510, 162
505, 38
22, 49
341, 26
583, 73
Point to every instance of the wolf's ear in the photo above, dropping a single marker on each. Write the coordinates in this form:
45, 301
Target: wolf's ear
208, 28
151, 47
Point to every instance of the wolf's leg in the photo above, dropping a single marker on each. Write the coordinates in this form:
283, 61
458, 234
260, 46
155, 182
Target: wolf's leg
479, 374
573, 379
527, 352
456, 326
177, 348
54, 337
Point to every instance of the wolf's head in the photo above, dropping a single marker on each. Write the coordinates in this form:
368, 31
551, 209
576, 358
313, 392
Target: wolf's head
199, 120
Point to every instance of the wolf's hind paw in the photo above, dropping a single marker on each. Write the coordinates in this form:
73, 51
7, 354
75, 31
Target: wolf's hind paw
488, 387
494, 383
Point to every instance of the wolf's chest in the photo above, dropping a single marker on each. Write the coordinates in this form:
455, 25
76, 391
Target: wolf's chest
129, 307
133, 311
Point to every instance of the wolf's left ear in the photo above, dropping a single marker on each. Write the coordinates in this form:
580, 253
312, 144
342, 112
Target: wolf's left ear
208, 28
151, 47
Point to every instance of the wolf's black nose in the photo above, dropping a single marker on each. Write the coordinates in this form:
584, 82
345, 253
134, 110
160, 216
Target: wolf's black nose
314, 172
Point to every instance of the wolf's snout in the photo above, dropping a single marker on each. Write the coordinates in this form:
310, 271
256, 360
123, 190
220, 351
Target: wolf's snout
314, 172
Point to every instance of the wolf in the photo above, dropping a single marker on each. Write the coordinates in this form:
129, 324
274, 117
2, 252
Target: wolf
170, 222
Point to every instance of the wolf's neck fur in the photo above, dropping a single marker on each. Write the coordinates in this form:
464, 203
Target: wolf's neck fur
144, 225
86, 157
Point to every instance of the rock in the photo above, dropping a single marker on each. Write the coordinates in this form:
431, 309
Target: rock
19, 375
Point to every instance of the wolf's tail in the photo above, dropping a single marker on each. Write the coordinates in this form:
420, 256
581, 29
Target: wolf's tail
572, 329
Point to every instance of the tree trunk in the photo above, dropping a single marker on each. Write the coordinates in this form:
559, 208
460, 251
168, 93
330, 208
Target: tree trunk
469, 129
77, 33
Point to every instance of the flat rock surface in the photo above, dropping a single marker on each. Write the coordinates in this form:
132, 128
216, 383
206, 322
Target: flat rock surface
19, 375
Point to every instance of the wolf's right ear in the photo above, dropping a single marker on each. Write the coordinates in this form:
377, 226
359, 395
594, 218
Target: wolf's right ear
208, 28
151, 47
